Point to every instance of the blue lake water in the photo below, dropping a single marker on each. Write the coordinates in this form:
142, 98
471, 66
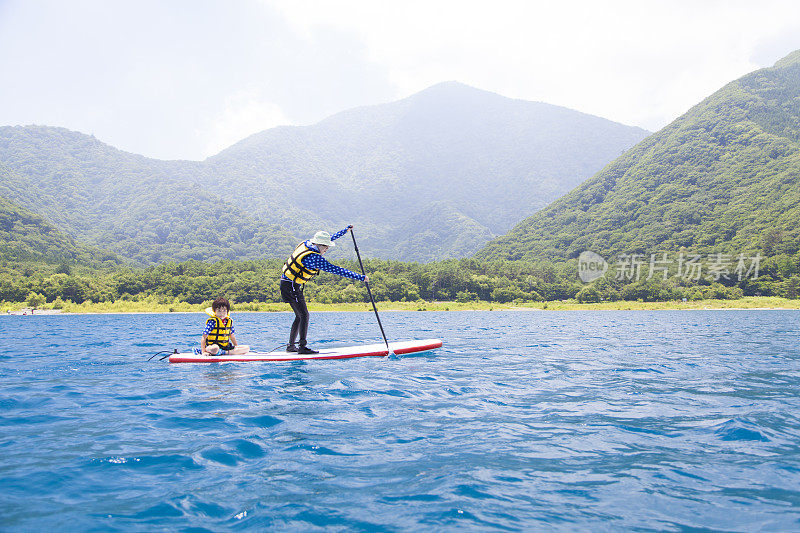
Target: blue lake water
523, 420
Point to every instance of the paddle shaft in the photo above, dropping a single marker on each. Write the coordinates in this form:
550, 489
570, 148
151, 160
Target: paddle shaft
371, 299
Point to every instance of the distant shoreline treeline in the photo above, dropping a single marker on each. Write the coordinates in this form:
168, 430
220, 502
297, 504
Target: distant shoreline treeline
465, 280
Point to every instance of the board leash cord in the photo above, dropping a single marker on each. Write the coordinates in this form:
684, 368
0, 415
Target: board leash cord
164, 353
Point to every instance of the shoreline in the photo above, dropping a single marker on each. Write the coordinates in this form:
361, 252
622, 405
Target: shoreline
754, 303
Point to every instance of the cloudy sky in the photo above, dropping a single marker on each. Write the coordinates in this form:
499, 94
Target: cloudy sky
186, 78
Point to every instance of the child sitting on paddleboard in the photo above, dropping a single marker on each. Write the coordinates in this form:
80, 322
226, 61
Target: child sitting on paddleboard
306, 262
218, 336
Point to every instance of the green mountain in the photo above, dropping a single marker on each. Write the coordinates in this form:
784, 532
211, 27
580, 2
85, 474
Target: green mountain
724, 177
26, 236
432, 176
143, 209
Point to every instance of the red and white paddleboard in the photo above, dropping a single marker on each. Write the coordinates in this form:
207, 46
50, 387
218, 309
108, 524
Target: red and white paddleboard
367, 350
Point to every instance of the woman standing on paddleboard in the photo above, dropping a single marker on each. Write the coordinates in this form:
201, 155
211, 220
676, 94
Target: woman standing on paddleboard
306, 262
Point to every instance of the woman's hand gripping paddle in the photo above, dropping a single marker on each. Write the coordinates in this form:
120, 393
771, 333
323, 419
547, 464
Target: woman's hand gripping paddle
371, 299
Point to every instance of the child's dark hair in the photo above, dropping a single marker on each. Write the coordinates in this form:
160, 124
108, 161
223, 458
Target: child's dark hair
221, 302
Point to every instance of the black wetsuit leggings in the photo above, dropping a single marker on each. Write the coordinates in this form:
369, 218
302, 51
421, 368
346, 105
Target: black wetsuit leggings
292, 293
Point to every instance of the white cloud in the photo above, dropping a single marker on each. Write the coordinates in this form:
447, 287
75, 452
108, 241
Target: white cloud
223, 70
245, 113
635, 62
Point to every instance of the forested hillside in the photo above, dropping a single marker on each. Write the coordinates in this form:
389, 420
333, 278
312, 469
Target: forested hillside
139, 208
433, 176
724, 177
26, 236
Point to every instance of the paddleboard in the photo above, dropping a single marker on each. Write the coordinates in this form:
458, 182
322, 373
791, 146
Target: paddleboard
347, 352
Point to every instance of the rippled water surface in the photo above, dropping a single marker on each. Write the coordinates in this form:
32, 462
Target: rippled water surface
523, 420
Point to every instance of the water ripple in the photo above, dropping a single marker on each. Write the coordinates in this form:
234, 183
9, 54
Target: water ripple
522, 421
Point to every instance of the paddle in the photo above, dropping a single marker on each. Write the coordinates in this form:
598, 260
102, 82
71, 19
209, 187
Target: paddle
371, 299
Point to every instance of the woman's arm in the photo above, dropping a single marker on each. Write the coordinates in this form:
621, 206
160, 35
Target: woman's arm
340, 233
316, 261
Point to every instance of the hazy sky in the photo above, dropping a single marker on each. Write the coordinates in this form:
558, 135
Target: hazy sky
186, 78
